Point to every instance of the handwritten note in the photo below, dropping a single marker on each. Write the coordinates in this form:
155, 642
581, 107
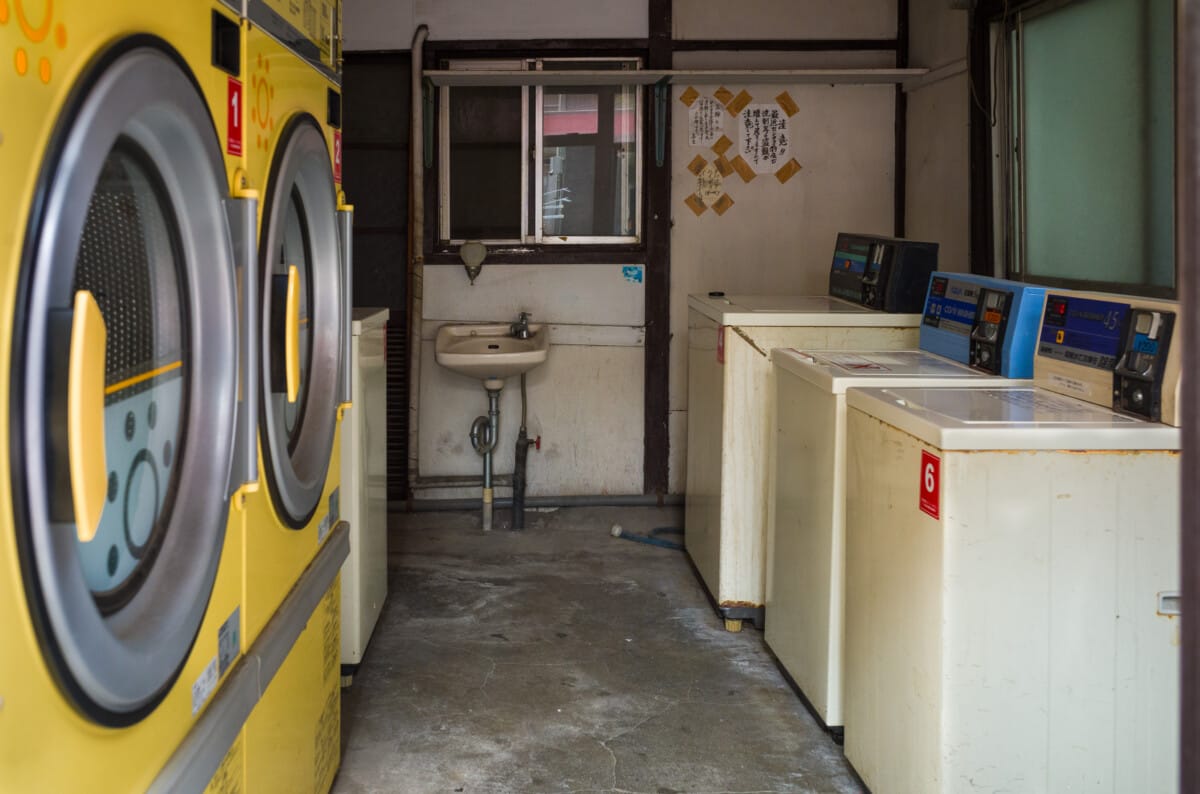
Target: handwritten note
765, 142
704, 121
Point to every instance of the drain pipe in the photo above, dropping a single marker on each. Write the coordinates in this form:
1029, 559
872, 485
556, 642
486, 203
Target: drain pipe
416, 270
485, 432
522, 454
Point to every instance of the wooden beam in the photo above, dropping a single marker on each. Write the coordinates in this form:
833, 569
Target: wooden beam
656, 412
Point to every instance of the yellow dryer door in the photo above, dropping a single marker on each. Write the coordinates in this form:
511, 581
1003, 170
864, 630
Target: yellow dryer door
126, 364
303, 319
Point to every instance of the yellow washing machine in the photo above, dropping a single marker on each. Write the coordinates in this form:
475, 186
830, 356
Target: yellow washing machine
120, 564
293, 158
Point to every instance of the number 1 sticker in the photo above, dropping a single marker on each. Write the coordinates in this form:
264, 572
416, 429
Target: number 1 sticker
931, 483
337, 156
234, 129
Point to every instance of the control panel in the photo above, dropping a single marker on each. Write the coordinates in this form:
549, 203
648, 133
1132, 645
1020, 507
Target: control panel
883, 273
988, 323
849, 264
1138, 379
989, 329
1114, 351
1083, 331
897, 275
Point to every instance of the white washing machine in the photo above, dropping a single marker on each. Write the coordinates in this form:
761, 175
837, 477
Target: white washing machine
806, 525
364, 486
1012, 609
729, 431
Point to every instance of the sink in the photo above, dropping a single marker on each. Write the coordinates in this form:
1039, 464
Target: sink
489, 352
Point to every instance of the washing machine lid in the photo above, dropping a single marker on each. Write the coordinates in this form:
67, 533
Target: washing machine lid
1012, 418
837, 370
794, 310
365, 319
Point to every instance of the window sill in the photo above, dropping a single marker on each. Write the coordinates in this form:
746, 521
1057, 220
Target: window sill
559, 254
507, 77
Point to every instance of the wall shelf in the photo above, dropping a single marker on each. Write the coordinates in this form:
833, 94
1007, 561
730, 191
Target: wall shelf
513, 77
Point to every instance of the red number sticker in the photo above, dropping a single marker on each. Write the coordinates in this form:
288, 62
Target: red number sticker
337, 156
931, 483
720, 344
234, 106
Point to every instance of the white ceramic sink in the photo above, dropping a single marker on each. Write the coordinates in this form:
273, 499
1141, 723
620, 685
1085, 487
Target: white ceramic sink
489, 352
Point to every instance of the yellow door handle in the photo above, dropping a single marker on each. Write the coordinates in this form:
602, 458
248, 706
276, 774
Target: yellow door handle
85, 415
291, 334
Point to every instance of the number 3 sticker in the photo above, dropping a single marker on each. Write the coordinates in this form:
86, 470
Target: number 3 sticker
931, 483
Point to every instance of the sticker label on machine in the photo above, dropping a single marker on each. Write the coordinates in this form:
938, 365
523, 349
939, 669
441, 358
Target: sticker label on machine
234, 128
951, 305
204, 685
931, 483
1083, 331
337, 157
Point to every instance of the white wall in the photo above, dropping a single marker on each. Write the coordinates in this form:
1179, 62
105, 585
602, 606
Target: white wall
389, 24
937, 190
586, 401
777, 238
784, 19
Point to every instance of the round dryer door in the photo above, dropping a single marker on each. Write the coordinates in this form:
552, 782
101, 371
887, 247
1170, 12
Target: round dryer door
301, 315
125, 385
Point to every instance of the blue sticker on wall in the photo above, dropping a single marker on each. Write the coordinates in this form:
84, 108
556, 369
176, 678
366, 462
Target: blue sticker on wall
632, 273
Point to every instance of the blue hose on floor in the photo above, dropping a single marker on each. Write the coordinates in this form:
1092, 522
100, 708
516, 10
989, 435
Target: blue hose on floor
652, 539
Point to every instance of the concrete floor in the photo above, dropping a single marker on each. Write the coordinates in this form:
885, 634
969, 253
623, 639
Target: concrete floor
561, 659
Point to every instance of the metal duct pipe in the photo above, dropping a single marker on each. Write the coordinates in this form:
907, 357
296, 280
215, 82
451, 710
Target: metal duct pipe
416, 273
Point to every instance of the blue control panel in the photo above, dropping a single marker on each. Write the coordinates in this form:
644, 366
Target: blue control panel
1083, 331
998, 336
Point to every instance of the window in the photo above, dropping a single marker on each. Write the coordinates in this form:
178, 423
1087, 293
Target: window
581, 180
1090, 171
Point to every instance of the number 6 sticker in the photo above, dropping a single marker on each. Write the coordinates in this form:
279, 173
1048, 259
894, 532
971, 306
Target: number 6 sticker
931, 483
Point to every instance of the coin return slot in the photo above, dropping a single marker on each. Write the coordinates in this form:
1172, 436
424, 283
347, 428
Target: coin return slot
493, 347
1169, 604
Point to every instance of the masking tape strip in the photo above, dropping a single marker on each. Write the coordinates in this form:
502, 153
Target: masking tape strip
723, 204
723, 95
744, 169
789, 170
689, 96
739, 103
724, 167
788, 104
697, 165
722, 145
695, 204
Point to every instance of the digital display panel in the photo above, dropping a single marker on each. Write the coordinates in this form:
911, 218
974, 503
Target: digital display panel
1083, 331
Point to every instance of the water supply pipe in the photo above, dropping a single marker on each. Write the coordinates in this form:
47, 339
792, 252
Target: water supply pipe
485, 431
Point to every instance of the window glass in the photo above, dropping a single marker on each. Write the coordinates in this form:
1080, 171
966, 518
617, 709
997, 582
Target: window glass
579, 182
128, 260
295, 250
589, 161
485, 163
1095, 141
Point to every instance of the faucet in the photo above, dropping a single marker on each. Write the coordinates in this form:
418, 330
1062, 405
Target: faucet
520, 329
